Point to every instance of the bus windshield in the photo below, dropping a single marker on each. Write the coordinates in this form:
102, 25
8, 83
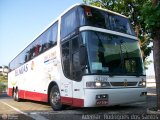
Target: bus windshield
112, 54
102, 19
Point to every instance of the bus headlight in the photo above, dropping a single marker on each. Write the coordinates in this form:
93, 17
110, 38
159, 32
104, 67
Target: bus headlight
142, 83
97, 84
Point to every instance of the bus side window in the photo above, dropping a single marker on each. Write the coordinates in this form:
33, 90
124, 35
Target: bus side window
69, 23
36, 49
54, 32
49, 38
66, 59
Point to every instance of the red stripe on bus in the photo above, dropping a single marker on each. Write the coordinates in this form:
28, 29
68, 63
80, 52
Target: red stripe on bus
9, 92
66, 100
33, 96
72, 101
30, 95
44, 97
78, 102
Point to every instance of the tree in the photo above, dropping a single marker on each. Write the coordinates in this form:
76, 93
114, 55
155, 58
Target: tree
151, 14
2, 87
131, 9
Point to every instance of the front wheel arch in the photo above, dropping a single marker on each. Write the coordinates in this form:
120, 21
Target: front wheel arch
50, 87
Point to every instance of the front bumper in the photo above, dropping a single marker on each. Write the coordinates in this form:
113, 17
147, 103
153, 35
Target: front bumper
115, 96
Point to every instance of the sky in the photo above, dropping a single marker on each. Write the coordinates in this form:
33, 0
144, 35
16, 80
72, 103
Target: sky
22, 20
150, 70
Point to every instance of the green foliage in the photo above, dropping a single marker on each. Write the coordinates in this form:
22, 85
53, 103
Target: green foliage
151, 15
3, 78
3, 83
3, 87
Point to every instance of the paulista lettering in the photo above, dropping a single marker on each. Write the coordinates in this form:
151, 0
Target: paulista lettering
21, 70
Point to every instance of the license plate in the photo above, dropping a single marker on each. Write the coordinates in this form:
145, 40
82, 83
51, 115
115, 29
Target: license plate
102, 102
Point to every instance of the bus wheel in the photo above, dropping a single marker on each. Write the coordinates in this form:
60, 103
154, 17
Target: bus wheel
55, 99
17, 95
14, 94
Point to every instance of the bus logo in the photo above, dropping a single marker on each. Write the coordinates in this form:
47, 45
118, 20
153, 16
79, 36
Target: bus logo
32, 65
21, 70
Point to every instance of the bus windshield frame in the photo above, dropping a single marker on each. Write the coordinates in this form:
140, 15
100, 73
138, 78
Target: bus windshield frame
110, 54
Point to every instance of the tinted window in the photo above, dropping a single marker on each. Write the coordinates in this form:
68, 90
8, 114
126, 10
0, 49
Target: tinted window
45, 41
113, 54
76, 67
75, 44
69, 23
71, 59
49, 38
98, 18
120, 24
95, 17
66, 59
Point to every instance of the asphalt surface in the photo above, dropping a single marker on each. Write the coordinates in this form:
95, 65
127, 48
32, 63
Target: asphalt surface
30, 110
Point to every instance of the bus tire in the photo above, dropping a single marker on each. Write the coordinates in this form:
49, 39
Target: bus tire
55, 98
14, 94
17, 95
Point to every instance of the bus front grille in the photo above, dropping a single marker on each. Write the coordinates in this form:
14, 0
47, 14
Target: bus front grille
123, 83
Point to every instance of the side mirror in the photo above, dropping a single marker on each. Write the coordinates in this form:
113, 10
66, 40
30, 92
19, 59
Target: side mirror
83, 55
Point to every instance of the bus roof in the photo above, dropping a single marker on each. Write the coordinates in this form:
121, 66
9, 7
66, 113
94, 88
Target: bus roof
103, 9
75, 5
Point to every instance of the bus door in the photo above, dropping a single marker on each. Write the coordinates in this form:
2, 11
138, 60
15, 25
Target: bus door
66, 81
71, 67
76, 71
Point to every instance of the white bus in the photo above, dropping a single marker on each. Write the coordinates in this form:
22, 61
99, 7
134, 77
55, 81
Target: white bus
88, 57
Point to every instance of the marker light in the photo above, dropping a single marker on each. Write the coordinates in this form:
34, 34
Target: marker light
88, 11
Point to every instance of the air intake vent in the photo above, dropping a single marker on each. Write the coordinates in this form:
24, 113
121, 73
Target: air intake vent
123, 83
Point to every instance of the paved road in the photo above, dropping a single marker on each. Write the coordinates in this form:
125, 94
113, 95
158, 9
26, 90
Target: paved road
30, 110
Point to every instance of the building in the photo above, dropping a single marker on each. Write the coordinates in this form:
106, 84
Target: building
4, 70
